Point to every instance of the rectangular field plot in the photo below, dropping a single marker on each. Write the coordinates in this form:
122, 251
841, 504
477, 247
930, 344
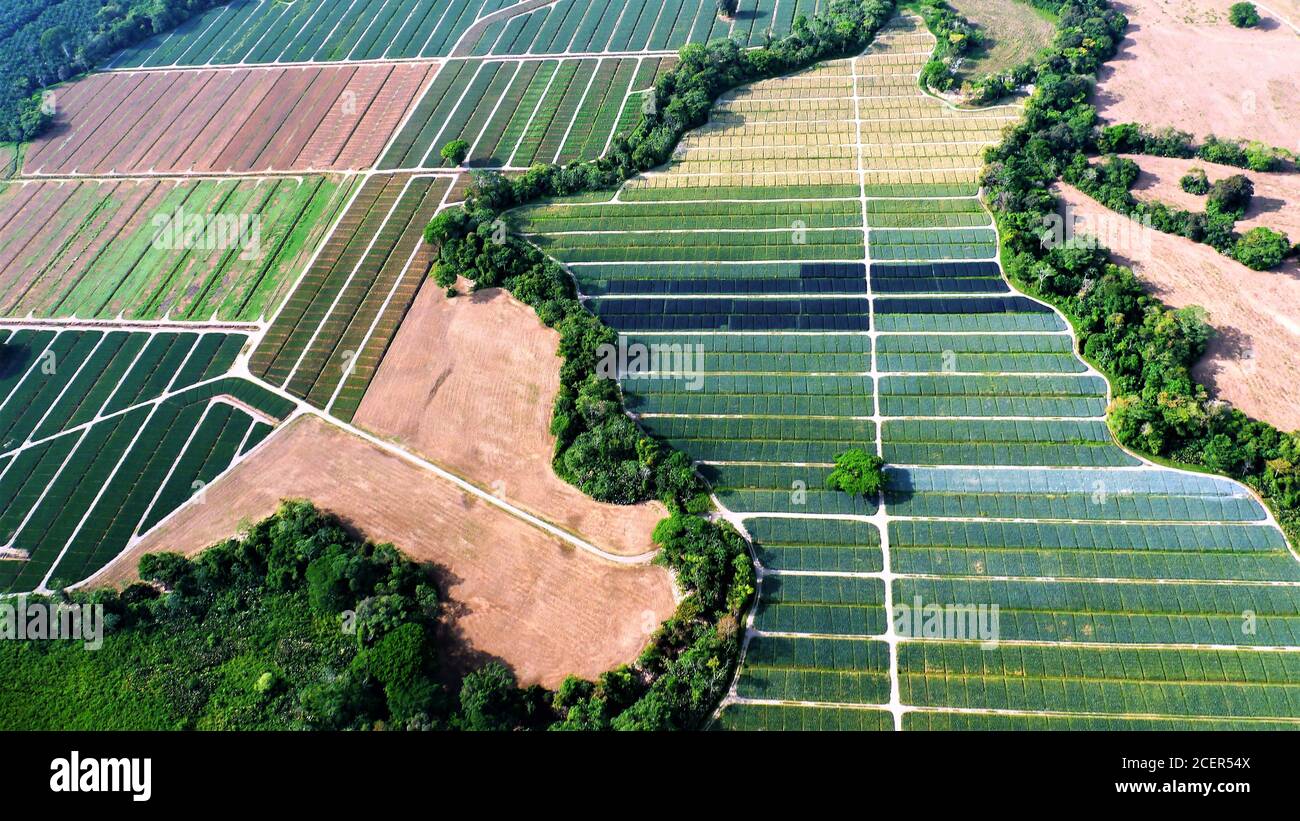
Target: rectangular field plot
798, 717
1135, 496
721, 279
519, 113
755, 488
750, 395
963, 314
1149, 682
969, 353
326, 343
146, 249
938, 278
1130, 613
821, 605
944, 720
972, 395
120, 430
828, 314
265, 31
335, 118
1083, 443
794, 354
927, 213
1067, 550
841, 671
790, 439
828, 545
919, 245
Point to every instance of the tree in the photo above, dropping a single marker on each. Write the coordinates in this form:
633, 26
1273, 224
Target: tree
857, 473
1243, 15
1230, 195
455, 151
1261, 248
1195, 182
489, 699
727, 8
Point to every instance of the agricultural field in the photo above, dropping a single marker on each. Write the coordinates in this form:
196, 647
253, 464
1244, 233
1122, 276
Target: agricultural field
330, 118
192, 249
876, 316
266, 31
517, 113
328, 337
105, 433
247, 32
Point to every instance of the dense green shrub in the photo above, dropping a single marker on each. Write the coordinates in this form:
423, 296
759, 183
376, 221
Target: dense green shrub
1195, 182
1261, 248
1243, 15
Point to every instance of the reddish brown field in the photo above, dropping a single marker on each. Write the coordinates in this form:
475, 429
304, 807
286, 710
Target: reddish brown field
469, 383
1253, 361
513, 592
1276, 203
316, 118
1183, 65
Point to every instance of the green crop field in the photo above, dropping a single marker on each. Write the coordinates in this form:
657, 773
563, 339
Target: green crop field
817, 255
521, 112
224, 249
266, 31
329, 337
105, 433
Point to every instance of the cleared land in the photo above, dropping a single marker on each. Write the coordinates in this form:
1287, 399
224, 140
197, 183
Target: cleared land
1014, 32
329, 337
105, 433
318, 118
1183, 65
469, 383
1251, 361
513, 592
517, 113
1005, 485
144, 249
1276, 203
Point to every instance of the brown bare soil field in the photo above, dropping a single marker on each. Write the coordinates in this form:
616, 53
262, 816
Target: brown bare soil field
1183, 65
301, 118
1253, 361
469, 383
1276, 203
513, 592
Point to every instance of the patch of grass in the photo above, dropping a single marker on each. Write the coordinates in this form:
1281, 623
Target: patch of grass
1014, 32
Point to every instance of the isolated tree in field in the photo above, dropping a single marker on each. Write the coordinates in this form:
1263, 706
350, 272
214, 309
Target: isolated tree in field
1231, 195
1261, 248
1243, 15
455, 151
857, 473
727, 8
1195, 182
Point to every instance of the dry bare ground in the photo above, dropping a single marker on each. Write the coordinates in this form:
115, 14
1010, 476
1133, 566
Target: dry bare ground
1276, 203
515, 593
469, 383
1253, 361
1183, 65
